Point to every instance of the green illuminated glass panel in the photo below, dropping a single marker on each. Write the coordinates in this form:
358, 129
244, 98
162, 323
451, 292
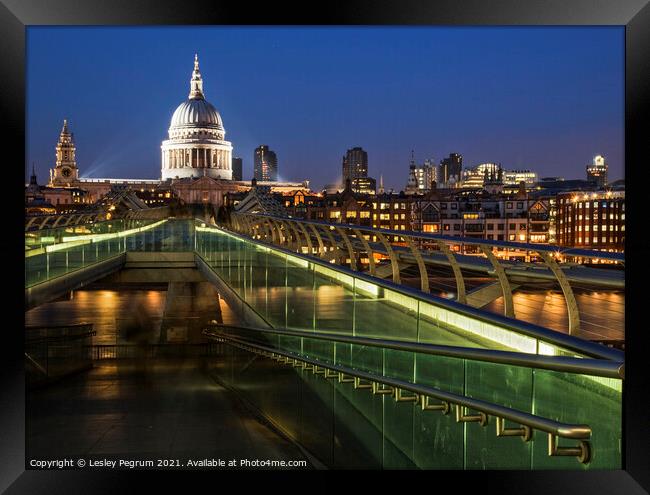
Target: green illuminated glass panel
383, 313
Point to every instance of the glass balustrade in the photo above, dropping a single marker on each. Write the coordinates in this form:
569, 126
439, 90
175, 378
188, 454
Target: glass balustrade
291, 291
360, 429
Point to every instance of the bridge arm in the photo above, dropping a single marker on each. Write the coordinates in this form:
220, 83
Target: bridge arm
348, 244
424, 275
569, 297
310, 246
391, 254
321, 244
366, 246
508, 304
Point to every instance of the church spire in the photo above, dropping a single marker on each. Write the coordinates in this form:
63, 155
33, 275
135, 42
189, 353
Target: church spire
196, 83
32, 178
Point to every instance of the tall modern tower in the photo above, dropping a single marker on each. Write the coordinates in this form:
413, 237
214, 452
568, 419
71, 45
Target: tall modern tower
265, 164
236, 168
355, 164
597, 171
451, 169
65, 170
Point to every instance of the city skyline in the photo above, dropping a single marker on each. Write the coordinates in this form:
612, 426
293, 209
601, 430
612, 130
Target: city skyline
118, 134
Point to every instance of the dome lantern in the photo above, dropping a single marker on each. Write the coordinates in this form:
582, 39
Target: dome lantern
196, 83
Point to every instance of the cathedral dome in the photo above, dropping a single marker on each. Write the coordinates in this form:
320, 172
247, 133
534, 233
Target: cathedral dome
196, 146
196, 112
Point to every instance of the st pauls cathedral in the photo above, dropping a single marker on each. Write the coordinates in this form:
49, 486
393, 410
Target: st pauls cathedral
196, 162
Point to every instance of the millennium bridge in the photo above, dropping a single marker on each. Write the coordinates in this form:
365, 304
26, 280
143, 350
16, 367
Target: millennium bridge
354, 346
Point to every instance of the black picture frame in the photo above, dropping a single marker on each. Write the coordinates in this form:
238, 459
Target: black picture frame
16, 15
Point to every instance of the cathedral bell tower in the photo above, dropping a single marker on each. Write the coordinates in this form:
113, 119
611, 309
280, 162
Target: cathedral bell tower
65, 172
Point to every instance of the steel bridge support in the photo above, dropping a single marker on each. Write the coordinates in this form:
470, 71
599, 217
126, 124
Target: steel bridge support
366, 246
310, 246
337, 251
348, 244
509, 309
391, 254
424, 275
569, 296
461, 296
321, 244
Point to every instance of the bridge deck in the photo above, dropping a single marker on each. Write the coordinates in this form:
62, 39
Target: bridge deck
151, 409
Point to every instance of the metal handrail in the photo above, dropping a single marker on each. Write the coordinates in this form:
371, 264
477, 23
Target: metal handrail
529, 329
78, 269
595, 367
530, 422
457, 239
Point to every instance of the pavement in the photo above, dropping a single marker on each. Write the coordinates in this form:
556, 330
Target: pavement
151, 409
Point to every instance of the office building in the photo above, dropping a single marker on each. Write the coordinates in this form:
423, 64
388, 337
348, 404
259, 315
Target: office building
265, 162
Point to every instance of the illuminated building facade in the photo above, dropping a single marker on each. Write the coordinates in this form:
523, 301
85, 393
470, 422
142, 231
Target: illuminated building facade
515, 177
451, 170
591, 220
421, 177
355, 164
265, 164
364, 185
496, 217
597, 171
477, 177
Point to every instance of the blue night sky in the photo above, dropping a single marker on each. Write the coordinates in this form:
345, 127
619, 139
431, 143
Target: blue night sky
547, 99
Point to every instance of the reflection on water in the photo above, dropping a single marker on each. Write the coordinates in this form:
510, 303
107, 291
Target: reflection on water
107, 310
602, 314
